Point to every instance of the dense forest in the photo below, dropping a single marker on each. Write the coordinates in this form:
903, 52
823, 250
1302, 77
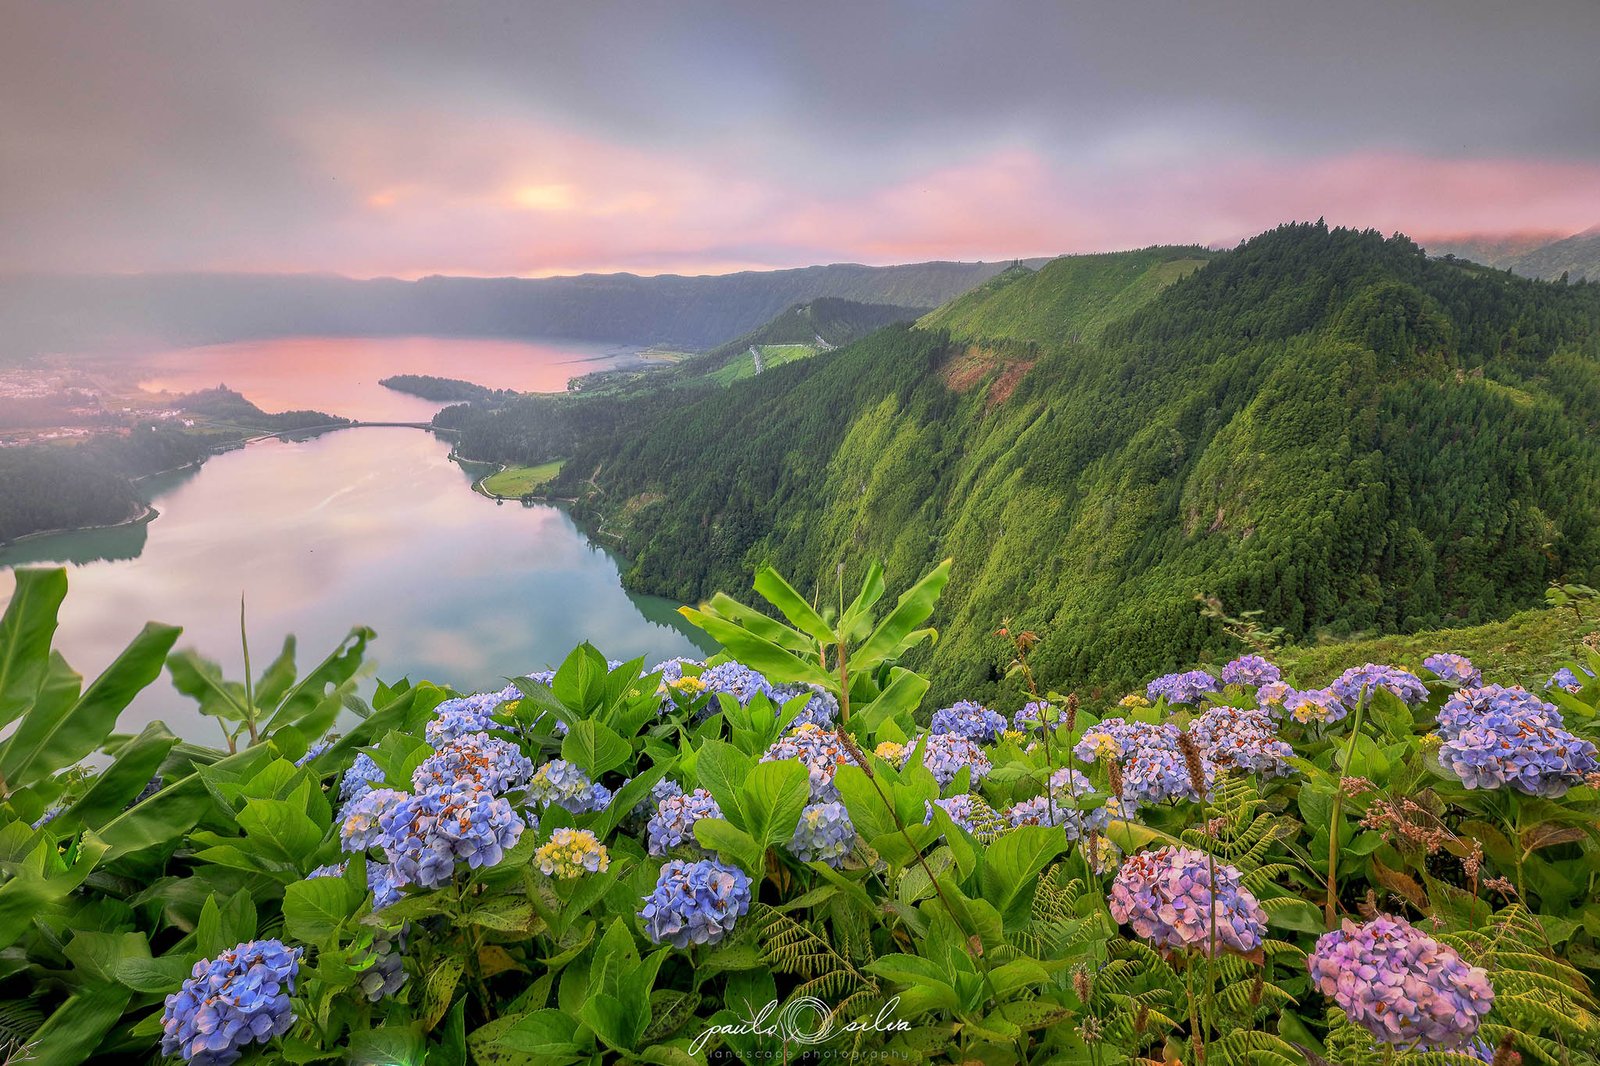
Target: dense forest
1321, 424
443, 390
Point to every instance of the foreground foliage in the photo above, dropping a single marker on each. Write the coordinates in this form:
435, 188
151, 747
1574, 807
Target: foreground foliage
784, 851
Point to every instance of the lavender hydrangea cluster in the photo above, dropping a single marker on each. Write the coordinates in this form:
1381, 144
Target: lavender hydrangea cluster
228, 1003
695, 902
314, 752
362, 777
1314, 706
1401, 985
360, 824
1059, 807
824, 834
972, 813
819, 751
1188, 687
474, 759
673, 823
426, 834
1169, 898
1453, 669
1243, 739
1250, 670
1566, 679
1031, 717
969, 719
1271, 696
946, 754
821, 710
1494, 737
561, 784
672, 669
737, 680
1153, 767
1351, 684
467, 714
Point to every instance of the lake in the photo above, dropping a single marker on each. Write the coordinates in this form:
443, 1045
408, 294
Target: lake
368, 526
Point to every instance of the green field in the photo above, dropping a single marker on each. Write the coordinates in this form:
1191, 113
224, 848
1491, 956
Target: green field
518, 480
771, 355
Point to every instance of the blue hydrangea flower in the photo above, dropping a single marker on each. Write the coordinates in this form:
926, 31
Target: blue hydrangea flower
360, 823
1271, 696
51, 814
1153, 767
560, 783
228, 1003
314, 751
468, 714
695, 902
1453, 669
382, 882
1401, 985
1031, 717
1061, 809
1368, 678
672, 669
1565, 678
474, 759
819, 751
944, 754
821, 710
737, 680
1169, 898
824, 834
1539, 758
972, 813
362, 777
1250, 670
1494, 705
426, 834
673, 823
969, 719
1189, 687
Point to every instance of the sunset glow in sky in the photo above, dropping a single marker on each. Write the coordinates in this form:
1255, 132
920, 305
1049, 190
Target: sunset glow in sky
533, 138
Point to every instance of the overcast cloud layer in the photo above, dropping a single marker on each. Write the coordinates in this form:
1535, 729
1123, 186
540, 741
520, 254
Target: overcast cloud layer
405, 138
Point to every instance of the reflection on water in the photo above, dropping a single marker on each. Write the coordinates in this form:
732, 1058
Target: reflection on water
362, 526
339, 375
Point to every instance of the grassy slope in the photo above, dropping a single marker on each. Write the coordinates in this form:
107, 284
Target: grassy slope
772, 355
517, 480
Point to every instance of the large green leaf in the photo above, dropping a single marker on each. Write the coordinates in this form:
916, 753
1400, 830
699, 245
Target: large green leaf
339, 667
47, 740
755, 651
314, 908
914, 607
778, 592
594, 748
119, 784
773, 796
721, 770
1010, 866
26, 630
70, 1035
201, 680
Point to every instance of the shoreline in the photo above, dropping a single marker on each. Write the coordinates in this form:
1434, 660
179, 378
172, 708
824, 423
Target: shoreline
147, 514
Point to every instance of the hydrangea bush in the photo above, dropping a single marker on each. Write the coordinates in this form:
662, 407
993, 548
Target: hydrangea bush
625, 862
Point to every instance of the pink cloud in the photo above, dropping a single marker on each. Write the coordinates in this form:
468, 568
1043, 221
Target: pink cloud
512, 196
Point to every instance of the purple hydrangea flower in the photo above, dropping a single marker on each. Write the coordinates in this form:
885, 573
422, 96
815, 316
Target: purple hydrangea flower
695, 902
824, 834
228, 1003
1369, 678
1168, 897
1537, 757
425, 835
821, 710
1494, 704
819, 751
1565, 678
672, 669
1061, 809
969, 719
1250, 670
50, 814
1032, 716
1401, 985
1188, 687
474, 759
1271, 696
1314, 705
1153, 767
1453, 669
560, 783
1245, 739
945, 754
468, 714
673, 823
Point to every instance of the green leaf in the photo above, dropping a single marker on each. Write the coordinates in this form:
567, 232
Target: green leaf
722, 770
100, 956
542, 1032
732, 843
754, 651
594, 748
913, 608
902, 697
155, 976
440, 990
387, 1044
120, 783
340, 666
282, 827
201, 680
772, 798
1011, 864
26, 631
778, 592
314, 909
71, 1035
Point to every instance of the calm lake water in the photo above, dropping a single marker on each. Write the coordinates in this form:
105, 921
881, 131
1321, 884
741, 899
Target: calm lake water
364, 526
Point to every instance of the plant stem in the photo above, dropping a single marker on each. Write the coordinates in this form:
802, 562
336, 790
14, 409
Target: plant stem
1330, 905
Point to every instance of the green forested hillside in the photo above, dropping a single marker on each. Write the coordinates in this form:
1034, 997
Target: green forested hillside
1324, 425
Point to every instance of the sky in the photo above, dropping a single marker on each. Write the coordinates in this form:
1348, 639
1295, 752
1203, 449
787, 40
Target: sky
399, 138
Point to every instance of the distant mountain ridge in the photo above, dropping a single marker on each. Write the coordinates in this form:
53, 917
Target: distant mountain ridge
42, 314
1577, 256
